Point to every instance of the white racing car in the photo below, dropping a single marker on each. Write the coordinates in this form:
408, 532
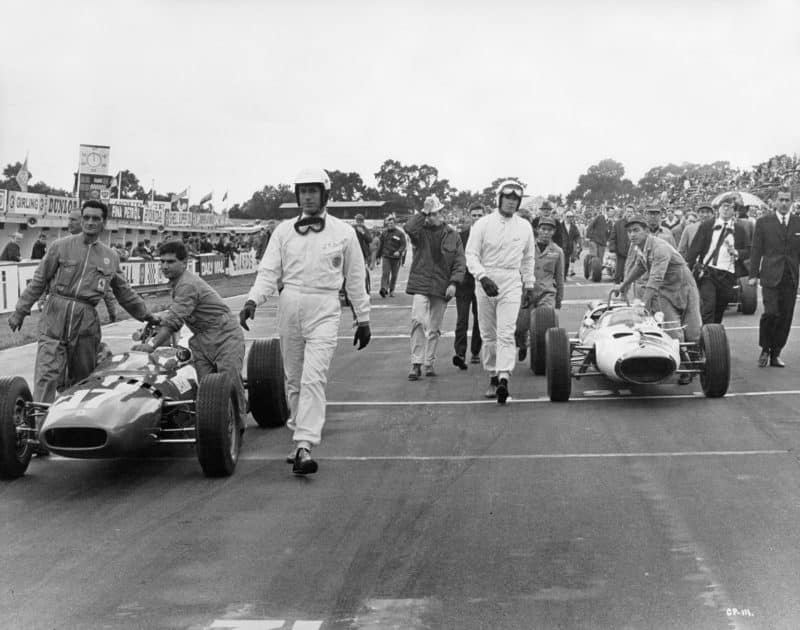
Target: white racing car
626, 343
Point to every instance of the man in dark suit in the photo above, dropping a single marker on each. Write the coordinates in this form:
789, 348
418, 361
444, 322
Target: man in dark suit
775, 259
572, 242
618, 243
717, 254
466, 301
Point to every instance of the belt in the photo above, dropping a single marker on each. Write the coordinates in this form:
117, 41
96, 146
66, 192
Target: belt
722, 272
76, 299
305, 289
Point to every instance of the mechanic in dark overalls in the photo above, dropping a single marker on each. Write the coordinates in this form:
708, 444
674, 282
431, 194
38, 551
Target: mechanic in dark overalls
217, 342
77, 270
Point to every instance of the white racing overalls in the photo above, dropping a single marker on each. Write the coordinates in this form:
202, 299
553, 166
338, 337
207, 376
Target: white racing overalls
502, 249
311, 267
77, 275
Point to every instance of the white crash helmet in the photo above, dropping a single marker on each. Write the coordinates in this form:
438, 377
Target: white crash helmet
313, 176
509, 187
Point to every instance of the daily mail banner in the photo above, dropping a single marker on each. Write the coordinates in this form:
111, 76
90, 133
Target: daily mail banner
28, 204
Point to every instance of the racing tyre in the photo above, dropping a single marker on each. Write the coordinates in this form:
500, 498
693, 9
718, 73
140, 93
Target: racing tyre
716, 375
587, 265
217, 431
748, 297
559, 369
266, 385
542, 319
15, 451
597, 269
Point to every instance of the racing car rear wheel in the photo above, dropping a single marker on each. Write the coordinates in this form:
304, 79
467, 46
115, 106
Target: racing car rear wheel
597, 269
748, 297
217, 431
587, 265
559, 369
542, 319
266, 386
716, 375
15, 451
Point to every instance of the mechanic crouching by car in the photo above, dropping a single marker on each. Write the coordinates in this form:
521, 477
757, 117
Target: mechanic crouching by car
548, 269
670, 286
77, 270
217, 341
311, 256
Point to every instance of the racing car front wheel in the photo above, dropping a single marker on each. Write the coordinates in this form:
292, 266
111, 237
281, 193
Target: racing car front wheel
217, 431
716, 374
15, 451
542, 319
266, 386
559, 367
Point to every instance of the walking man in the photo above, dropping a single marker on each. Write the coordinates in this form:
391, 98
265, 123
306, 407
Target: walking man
392, 250
437, 268
572, 244
717, 255
618, 243
774, 260
311, 257
466, 302
500, 255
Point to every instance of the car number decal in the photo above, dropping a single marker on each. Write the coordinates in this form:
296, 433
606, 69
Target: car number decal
93, 398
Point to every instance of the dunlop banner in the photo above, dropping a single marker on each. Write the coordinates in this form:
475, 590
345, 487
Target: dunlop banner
60, 206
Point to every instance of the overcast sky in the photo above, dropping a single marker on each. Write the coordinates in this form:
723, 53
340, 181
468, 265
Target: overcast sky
238, 94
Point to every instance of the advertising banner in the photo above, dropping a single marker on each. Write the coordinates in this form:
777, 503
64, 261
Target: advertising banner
143, 274
27, 204
203, 219
126, 210
178, 219
210, 264
60, 206
242, 263
2, 201
94, 159
153, 213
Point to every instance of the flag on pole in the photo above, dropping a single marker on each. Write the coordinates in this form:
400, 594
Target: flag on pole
23, 175
180, 201
225, 196
206, 198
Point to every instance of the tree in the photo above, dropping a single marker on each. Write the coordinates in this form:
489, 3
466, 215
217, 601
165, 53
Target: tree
131, 188
264, 203
411, 184
346, 186
602, 183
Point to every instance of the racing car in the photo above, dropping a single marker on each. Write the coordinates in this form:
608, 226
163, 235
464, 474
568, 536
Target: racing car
627, 343
134, 403
594, 266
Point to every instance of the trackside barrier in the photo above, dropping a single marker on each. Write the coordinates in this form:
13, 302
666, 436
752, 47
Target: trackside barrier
143, 275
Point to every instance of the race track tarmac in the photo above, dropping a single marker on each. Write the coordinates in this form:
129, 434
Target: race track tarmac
654, 508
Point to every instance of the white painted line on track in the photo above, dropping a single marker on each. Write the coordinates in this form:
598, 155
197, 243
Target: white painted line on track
532, 456
541, 399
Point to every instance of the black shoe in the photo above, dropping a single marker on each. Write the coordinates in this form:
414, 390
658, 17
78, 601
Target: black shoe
776, 361
415, 372
429, 371
39, 450
522, 353
391, 293
303, 464
502, 391
763, 359
382, 292
492, 391
684, 379
476, 358
459, 362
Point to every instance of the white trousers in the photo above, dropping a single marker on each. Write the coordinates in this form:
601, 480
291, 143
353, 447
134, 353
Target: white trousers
308, 324
497, 319
427, 312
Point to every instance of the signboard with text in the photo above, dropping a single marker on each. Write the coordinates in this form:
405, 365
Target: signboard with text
2, 201
94, 159
28, 204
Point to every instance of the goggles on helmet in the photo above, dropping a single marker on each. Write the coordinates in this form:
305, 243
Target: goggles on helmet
510, 189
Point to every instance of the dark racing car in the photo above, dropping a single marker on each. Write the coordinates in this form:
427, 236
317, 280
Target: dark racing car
136, 402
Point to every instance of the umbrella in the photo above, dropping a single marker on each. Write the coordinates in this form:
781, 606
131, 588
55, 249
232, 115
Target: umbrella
748, 199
